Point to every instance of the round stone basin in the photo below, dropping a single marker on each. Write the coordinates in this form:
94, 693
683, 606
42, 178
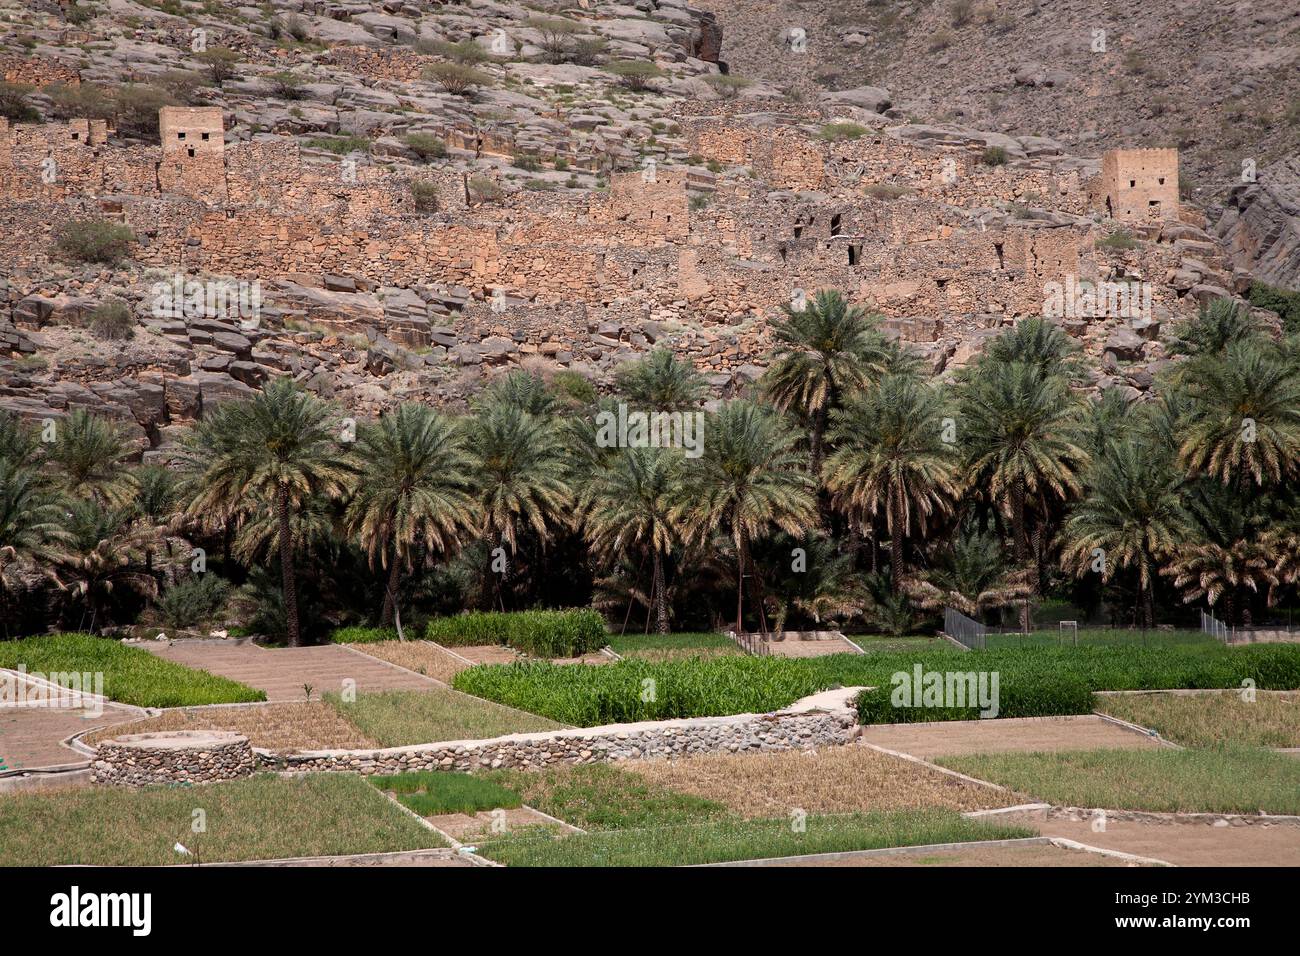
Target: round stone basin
179, 740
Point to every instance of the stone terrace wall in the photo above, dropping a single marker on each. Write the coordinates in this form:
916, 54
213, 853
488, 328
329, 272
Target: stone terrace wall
805, 724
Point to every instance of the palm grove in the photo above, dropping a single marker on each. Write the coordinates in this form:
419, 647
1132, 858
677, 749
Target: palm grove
849, 487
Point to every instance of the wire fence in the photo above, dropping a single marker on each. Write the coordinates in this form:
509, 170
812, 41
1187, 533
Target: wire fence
964, 630
1213, 626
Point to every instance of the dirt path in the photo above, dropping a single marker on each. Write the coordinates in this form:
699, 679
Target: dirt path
284, 672
1187, 844
1018, 734
31, 737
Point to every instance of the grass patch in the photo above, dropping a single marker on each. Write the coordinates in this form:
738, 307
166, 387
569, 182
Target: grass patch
604, 797
1222, 780
884, 644
1099, 637
1207, 720
664, 647
131, 675
362, 635
724, 840
263, 818
714, 687
430, 792
399, 718
569, 633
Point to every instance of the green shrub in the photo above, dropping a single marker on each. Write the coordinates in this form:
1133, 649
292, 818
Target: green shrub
838, 131
727, 85
425, 145
362, 635
540, 633
994, 156
220, 62
94, 240
287, 86
339, 145
887, 191
525, 161
112, 321
191, 603
13, 103
482, 189
136, 106
635, 75
1118, 241
465, 51
1282, 301
426, 195
457, 79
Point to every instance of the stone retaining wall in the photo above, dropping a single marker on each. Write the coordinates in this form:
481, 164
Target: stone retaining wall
819, 721
185, 756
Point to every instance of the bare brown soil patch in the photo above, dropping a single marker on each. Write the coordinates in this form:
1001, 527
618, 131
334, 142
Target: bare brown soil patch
832, 780
1017, 734
304, 725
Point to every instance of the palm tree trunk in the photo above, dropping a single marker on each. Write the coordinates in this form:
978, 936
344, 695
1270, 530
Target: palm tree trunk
740, 583
1021, 542
896, 539
661, 603
286, 568
816, 440
390, 591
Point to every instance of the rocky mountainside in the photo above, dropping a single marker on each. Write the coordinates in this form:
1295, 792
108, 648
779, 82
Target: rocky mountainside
1216, 78
408, 197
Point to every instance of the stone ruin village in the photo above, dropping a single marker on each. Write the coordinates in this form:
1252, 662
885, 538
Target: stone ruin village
693, 245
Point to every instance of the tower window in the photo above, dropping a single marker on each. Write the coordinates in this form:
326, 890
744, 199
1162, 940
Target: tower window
180, 135
190, 151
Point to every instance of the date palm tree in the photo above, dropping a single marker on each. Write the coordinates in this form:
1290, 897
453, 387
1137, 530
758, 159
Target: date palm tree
102, 552
972, 576
283, 446
87, 453
1132, 517
1017, 426
1038, 343
413, 493
823, 355
32, 531
518, 468
1242, 423
1218, 325
661, 382
890, 458
629, 506
747, 482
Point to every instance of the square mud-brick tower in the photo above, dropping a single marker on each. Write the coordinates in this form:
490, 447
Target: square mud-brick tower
1138, 185
193, 152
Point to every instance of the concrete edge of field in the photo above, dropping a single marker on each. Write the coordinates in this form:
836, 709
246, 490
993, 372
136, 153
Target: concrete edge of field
1138, 729
936, 848
933, 766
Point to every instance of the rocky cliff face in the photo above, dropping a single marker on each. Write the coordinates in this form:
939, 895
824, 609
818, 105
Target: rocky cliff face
1260, 225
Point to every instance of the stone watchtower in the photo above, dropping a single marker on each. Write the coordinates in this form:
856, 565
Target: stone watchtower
1137, 185
193, 152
